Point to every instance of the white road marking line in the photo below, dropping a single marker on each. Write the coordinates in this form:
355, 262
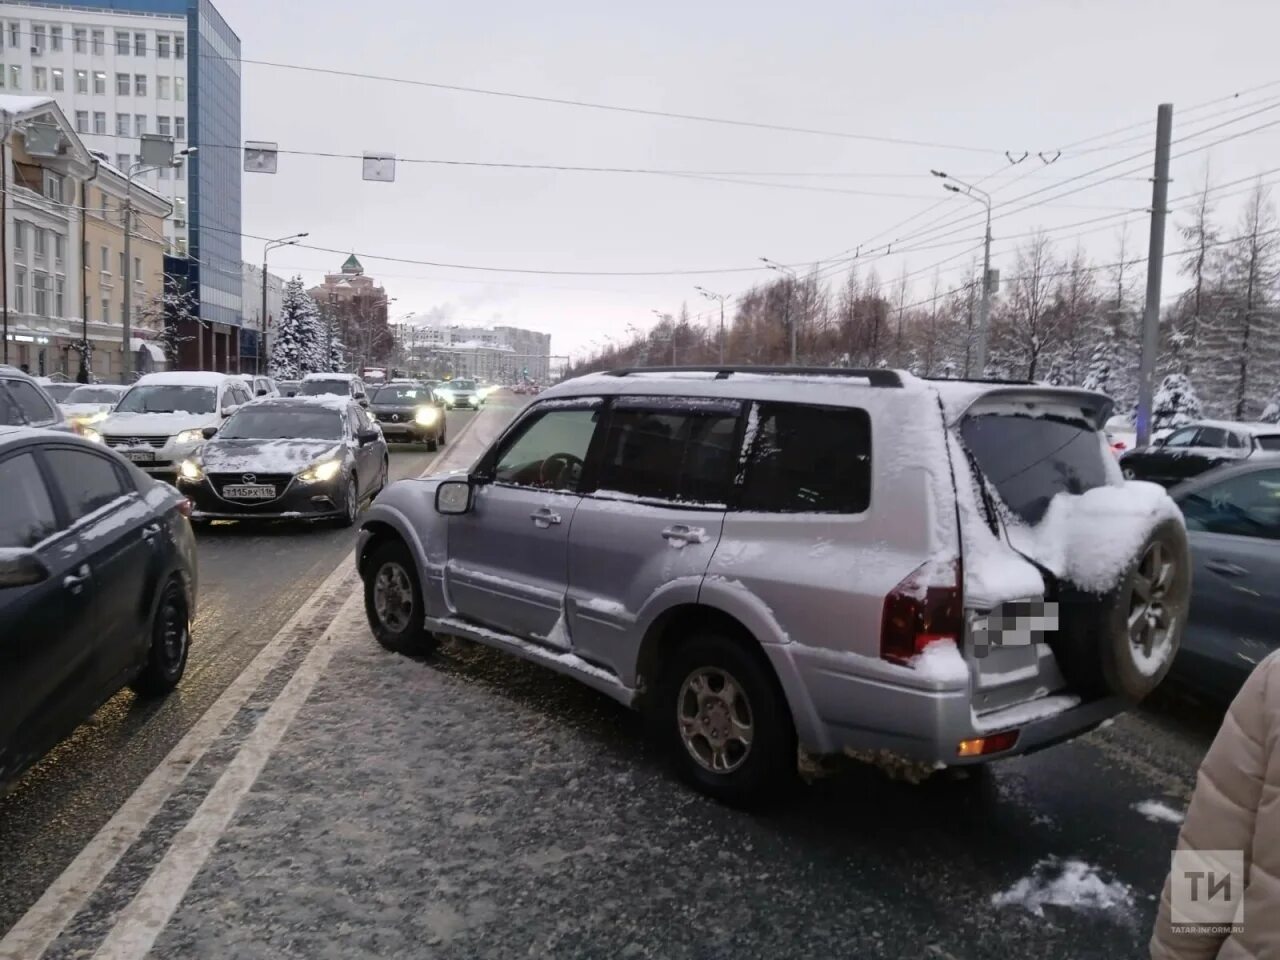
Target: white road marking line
141, 922
30, 937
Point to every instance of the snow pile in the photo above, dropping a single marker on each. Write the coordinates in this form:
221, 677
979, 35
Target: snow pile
1024, 713
1064, 883
941, 661
1091, 539
1158, 812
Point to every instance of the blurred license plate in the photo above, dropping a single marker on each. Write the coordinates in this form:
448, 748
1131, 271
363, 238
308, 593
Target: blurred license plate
140, 456
250, 491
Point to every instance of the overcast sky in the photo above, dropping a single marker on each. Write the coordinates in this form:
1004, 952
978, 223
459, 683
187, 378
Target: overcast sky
1017, 76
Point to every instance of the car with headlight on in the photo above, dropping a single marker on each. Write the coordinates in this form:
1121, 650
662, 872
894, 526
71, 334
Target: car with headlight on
302, 458
160, 421
90, 403
408, 411
460, 394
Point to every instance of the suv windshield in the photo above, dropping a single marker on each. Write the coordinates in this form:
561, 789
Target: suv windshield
1029, 460
168, 398
320, 388
461, 385
93, 395
280, 423
401, 394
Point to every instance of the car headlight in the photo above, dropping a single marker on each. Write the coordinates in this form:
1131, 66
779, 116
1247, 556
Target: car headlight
90, 434
319, 472
189, 436
426, 416
190, 470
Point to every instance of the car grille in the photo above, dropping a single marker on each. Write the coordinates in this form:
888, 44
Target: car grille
395, 417
279, 480
156, 442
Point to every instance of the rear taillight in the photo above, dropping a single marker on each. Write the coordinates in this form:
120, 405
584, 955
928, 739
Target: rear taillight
926, 606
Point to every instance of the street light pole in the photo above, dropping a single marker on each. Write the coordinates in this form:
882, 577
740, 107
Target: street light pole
792, 276
721, 297
262, 318
984, 306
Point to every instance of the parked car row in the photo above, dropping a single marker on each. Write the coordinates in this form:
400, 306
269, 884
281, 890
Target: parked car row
1189, 451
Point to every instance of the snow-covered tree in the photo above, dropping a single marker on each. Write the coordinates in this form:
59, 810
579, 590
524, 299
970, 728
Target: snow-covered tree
168, 313
301, 338
337, 352
1199, 264
1100, 374
1271, 413
1175, 403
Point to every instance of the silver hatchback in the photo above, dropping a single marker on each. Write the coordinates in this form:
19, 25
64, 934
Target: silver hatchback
771, 560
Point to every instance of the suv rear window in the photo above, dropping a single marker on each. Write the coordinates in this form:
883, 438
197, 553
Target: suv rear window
1029, 460
807, 459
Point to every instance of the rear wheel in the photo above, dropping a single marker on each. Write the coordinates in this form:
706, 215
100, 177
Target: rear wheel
724, 722
393, 600
170, 641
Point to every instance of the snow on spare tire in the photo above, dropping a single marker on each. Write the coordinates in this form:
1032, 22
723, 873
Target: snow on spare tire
1124, 545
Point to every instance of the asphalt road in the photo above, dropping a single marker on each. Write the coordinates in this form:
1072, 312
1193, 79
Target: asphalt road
252, 579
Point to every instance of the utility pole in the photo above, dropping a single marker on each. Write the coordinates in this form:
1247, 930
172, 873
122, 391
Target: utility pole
1155, 270
984, 306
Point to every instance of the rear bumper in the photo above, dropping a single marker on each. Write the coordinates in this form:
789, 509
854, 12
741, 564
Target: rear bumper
841, 702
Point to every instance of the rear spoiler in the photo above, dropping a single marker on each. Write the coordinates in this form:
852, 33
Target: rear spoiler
1094, 408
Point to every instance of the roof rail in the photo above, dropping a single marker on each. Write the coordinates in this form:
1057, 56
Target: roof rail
993, 380
877, 378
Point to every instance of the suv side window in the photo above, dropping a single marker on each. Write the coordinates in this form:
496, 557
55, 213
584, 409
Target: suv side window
1211, 437
26, 512
549, 450
1182, 438
87, 481
807, 459
1247, 506
31, 405
669, 450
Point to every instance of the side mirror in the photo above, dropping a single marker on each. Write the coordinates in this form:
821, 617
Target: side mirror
453, 497
366, 437
209, 432
21, 568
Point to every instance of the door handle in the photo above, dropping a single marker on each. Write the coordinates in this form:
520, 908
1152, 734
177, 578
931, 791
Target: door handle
150, 531
544, 517
680, 534
1227, 569
75, 581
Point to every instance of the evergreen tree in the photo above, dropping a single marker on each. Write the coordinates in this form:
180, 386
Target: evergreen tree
1175, 403
301, 338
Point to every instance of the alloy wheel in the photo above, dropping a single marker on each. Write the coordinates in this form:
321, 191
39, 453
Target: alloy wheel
393, 597
1150, 620
352, 505
174, 631
715, 719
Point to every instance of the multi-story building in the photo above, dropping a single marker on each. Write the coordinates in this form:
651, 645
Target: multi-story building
357, 304
502, 353
65, 244
532, 352
122, 68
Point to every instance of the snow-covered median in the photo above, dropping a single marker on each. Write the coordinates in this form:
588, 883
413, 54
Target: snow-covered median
1065, 883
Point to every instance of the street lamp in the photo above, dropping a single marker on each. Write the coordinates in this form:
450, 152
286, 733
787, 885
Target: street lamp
984, 307
262, 320
786, 314
721, 297
161, 155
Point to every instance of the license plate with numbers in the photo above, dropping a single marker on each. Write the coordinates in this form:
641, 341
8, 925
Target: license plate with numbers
250, 491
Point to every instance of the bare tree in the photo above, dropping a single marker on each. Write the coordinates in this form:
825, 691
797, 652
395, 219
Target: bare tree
1031, 329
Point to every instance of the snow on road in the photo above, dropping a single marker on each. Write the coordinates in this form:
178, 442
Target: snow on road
1158, 812
1065, 883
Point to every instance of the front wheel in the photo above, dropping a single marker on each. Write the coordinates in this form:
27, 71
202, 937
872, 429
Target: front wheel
393, 600
350, 503
724, 722
170, 641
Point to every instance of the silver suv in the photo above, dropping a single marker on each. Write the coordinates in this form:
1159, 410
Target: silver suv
922, 573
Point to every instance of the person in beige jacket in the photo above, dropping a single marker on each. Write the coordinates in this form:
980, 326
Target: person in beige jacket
1236, 806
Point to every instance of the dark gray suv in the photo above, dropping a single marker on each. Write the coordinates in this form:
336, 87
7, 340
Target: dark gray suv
922, 573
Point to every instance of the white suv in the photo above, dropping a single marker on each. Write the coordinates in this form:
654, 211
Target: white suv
161, 419
926, 573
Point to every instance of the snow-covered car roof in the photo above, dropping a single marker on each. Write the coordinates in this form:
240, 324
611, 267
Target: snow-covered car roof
330, 401
1234, 426
186, 378
330, 376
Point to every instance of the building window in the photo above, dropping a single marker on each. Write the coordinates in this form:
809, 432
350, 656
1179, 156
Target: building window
39, 38
122, 44
79, 37
162, 46
179, 89
163, 127
82, 121
99, 42
139, 44
99, 122
180, 128
140, 84
59, 79
122, 124
140, 123
19, 236
122, 161
15, 77
53, 187
82, 81
55, 39
179, 46
20, 289
106, 309
40, 78
15, 34
2, 76
100, 83
105, 254
163, 173
59, 296
137, 269
40, 293
162, 88
122, 85
38, 244
59, 248
106, 208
